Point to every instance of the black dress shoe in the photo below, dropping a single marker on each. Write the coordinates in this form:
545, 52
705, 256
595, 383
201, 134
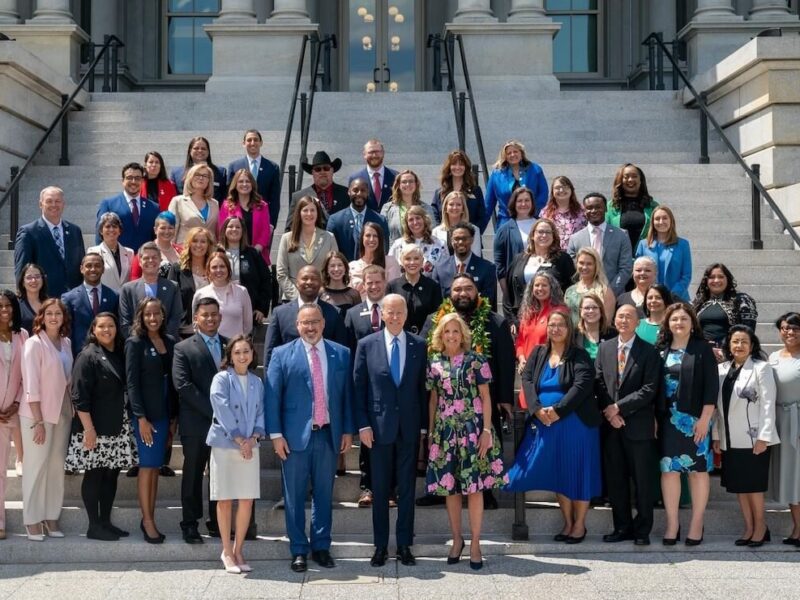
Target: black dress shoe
672, 541
742, 541
191, 535
115, 530
323, 558
758, 543
560, 537
576, 540
166, 471
404, 556
379, 557
213, 528
158, 539
643, 540
299, 564
452, 560
489, 501
695, 542
430, 501
132, 472
617, 536
790, 541
99, 532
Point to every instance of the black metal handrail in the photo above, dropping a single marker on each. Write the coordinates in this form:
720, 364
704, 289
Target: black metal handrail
12, 193
290, 124
752, 173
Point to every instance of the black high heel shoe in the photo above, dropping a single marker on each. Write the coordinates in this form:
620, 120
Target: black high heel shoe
452, 560
576, 540
758, 543
672, 541
159, 539
743, 541
694, 542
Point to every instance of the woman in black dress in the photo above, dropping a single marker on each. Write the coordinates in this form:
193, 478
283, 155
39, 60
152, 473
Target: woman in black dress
190, 273
336, 288
248, 268
631, 204
31, 291
423, 295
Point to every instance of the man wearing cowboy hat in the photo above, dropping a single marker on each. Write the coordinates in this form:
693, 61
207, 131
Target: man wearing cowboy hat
332, 196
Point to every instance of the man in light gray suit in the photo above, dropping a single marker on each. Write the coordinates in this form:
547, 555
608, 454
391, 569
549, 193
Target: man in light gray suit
150, 285
612, 243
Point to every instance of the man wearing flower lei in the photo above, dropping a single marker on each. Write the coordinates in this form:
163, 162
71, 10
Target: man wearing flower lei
491, 336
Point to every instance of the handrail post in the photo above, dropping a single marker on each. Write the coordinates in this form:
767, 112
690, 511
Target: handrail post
14, 212
290, 122
114, 67
90, 52
106, 66
64, 159
651, 63
462, 120
519, 530
292, 188
704, 160
676, 43
660, 62
435, 42
756, 243
326, 67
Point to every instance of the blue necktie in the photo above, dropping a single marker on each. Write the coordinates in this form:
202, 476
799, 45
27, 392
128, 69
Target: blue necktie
254, 168
59, 241
213, 347
394, 363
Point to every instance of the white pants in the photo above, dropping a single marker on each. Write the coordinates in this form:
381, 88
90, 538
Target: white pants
43, 468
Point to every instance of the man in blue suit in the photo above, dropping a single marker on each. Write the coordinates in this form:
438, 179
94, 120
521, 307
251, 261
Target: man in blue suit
138, 215
483, 272
53, 243
379, 177
266, 173
391, 410
346, 225
88, 300
308, 414
282, 327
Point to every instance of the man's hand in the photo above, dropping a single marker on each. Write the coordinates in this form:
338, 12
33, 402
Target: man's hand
281, 448
347, 441
366, 437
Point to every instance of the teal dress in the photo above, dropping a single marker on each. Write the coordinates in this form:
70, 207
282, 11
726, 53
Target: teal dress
453, 463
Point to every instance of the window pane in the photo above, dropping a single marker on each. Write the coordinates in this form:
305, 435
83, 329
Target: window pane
561, 45
557, 5
202, 47
401, 51
206, 6
584, 44
180, 45
363, 45
180, 5
584, 5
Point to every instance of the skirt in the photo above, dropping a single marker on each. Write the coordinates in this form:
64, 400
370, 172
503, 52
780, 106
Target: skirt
152, 457
232, 477
744, 472
111, 452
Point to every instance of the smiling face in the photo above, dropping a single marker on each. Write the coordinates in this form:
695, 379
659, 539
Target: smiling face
373, 155
165, 231
416, 225
132, 182
542, 236
590, 311
464, 295
308, 284
322, 176
557, 328
661, 221
394, 314
654, 302
371, 239
541, 288
52, 205
717, 282
243, 185
740, 346
199, 152
680, 324
375, 284
524, 205
207, 318
562, 192
53, 319
105, 330
92, 269
790, 336
454, 208
408, 185
308, 215
310, 325
358, 192
626, 320
252, 144
631, 181
586, 267
461, 239
153, 317
152, 166
233, 232
6, 312
150, 260
452, 338
595, 210
32, 281
199, 246
110, 234
336, 270
412, 262
513, 155
644, 275
457, 168
241, 355
218, 272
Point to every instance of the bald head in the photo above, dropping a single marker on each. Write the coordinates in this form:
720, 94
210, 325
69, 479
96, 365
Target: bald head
626, 321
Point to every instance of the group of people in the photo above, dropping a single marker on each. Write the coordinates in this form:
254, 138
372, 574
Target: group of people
387, 328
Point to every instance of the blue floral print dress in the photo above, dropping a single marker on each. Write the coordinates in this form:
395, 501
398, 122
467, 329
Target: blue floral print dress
679, 453
453, 463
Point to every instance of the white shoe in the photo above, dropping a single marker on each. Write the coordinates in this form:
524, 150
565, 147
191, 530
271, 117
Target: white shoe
53, 532
18, 468
229, 564
34, 537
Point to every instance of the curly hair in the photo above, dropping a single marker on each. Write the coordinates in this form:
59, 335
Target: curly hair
531, 305
185, 259
38, 320
756, 353
644, 198
703, 293
139, 328
397, 196
418, 211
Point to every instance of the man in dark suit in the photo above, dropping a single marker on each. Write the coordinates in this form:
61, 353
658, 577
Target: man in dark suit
88, 299
150, 284
137, 214
360, 321
331, 195
53, 243
196, 361
266, 173
379, 177
612, 243
346, 225
628, 371
308, 415
391, 408
282, 323
483, 272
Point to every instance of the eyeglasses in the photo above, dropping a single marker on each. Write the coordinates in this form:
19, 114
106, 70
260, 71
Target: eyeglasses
560, 188
310, 322
784, 328
32, 277
200, 176
543, 232
133, 178
589, 308
322, 168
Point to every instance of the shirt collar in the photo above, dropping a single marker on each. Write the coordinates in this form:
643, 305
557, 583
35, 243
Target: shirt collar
51, 225
319, 346
379, 171
601, 227
387, 336
89, 288
370, 304
207, 338
627, 345
130, 198
300, 301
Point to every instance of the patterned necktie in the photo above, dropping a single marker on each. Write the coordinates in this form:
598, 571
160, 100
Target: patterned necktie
394, 363
375, 319
59, 241
135, 211
318, 384
376, 187
95, 302
254, 168
622, 356
359, 225
597, 243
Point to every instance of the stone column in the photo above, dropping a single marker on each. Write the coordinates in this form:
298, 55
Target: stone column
771, 10
294, 10
472, 11
715, 10
9, 11
241, 11
527, 11
52, 11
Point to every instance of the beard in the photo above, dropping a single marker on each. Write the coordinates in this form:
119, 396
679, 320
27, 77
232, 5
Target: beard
465, 305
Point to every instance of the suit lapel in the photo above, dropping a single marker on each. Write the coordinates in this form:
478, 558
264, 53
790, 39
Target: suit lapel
633, 355
108, 365
48, 236
302, 360
743, 381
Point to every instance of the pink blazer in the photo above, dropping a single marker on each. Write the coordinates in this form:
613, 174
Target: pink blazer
13, 393
43, 378
262, 230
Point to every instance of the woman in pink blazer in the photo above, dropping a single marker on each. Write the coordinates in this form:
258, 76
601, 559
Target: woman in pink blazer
244, 202
12, 338
45, 415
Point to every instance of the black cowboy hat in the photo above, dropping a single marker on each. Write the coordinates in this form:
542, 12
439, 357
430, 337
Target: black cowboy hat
322, 158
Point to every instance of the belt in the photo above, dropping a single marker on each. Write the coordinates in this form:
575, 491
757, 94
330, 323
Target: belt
320, 427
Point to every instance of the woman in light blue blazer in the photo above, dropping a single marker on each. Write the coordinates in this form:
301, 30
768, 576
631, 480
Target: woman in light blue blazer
511, 238
237, 399
672, 254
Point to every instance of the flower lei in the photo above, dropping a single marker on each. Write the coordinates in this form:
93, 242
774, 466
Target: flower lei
480, 338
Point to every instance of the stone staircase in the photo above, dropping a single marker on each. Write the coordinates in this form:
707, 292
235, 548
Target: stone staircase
584, 135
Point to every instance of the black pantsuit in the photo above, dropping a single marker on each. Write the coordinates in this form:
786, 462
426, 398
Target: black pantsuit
196, 455
624, 460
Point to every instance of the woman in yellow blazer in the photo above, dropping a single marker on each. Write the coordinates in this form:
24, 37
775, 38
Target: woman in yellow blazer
196, 207
45, 415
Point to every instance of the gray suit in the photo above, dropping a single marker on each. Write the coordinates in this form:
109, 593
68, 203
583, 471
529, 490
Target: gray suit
133, 292
617, 254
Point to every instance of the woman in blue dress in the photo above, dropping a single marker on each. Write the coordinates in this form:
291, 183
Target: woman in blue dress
562, 452
690, 392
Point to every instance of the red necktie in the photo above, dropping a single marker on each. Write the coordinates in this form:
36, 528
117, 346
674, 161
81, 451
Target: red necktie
375, 319
460, 268
135, 211
376, 187
95, 302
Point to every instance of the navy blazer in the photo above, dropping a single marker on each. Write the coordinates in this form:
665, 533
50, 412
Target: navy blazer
132, 236
144, 374
268, 183
386, 191
283, 327
475, 206
193, 370
391, 411
289, 395
342, 225
80, 312
481, 270
35, 244
507, 245
133, 292
220, 181
358, 323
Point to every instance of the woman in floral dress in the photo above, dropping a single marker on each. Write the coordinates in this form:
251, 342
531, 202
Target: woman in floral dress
465, 456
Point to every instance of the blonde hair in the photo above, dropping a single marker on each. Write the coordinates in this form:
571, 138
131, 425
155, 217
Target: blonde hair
464, 210
672, 233
407, 249
599, 272
437, 344
185, 259
502, 163
188, 189
418, 211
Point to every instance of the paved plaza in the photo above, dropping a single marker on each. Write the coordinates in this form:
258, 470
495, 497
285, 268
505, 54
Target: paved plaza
658, 575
